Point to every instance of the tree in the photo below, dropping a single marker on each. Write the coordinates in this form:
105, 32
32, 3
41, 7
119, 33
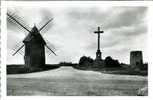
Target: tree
109, 62
85, 61
82, 60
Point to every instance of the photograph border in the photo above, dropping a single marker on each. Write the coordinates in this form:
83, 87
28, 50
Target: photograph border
4, 5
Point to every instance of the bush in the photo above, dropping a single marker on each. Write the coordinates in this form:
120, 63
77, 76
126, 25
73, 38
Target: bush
85, 62
109, 62
20, 69
144, 67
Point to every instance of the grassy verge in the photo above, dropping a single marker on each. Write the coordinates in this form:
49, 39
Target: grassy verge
20, 69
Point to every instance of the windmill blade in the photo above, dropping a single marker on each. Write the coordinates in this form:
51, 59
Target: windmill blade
18, 45
51, 50
50, 44
20, 52
18, 49
17, 22
45, 24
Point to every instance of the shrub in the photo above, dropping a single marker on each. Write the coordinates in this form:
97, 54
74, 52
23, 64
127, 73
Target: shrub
85, 61
109, 62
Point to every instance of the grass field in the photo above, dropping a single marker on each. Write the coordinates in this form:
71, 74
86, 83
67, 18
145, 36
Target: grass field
67, 81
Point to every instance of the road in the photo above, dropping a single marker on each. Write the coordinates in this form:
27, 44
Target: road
67, 81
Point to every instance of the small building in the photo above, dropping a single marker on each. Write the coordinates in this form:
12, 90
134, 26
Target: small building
34, 49
136, 59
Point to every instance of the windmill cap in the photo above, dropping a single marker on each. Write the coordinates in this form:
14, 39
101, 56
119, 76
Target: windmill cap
34, 30
34, 35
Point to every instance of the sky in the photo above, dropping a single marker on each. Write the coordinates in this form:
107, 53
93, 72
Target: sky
71, 33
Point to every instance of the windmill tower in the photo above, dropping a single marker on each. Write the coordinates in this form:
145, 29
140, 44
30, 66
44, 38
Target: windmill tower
34, 45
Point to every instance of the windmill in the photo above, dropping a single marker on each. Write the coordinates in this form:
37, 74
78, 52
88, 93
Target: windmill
34, 45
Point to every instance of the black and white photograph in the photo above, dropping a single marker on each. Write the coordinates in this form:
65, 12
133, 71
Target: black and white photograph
86, 50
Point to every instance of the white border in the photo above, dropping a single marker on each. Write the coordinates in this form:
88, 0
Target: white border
4, 5
77, 3
3, 50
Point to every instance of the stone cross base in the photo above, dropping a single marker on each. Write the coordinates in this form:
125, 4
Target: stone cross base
99, 63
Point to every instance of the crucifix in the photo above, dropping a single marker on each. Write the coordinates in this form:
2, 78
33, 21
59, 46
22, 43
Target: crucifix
98, 53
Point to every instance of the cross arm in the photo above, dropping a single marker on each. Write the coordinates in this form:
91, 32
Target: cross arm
98, 32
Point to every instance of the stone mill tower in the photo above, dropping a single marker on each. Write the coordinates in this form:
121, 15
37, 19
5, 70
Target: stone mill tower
136, 59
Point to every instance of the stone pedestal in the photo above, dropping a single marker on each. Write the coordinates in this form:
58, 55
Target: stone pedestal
98, 63
98, 55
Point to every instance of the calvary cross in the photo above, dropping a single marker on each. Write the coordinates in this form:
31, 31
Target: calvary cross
98, 32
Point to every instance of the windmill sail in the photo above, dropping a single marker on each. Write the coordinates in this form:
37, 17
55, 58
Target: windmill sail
18, 45
17, 22
18, 49
45, 24
51, 50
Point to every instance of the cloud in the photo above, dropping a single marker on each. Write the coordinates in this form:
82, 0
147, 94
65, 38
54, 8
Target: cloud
125, 17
